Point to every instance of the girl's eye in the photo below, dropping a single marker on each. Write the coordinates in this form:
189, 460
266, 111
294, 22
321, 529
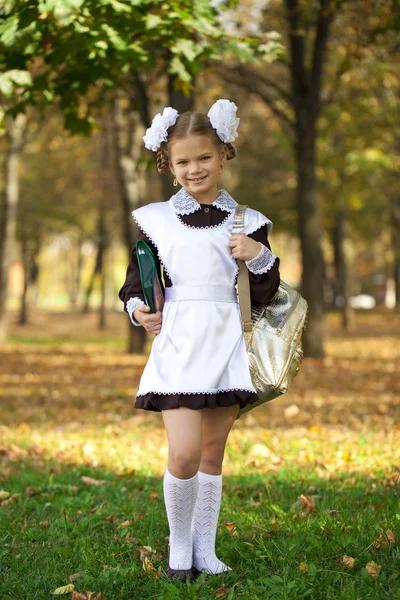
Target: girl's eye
206, 157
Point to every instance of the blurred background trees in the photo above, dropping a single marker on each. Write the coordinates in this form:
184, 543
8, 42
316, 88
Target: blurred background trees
319, 142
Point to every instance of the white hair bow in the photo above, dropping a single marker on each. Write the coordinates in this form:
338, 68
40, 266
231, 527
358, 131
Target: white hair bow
157, 133
222, 115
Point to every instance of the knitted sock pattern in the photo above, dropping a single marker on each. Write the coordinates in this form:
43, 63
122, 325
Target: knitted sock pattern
180, 497
204, 526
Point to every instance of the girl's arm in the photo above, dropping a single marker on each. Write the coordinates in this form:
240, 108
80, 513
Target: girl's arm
131, 292
263, 270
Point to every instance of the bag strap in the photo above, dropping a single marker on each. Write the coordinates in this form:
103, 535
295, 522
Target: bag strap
243, 281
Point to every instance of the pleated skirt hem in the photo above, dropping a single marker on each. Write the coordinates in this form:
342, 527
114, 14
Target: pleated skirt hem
158, 402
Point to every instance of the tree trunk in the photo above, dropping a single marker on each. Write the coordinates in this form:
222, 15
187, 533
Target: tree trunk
127, 133
310, 229
395, 222
96, 269
15, 131
341, 285
23, 313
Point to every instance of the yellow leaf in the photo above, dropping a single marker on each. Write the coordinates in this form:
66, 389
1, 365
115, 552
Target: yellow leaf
373, 568
348, 561
4, 494
149, 568
124, 524
303, 566
65, 589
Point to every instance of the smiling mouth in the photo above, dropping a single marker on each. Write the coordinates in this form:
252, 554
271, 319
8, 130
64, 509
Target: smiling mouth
198, 179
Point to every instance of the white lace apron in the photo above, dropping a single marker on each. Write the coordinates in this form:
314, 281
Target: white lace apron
200, 348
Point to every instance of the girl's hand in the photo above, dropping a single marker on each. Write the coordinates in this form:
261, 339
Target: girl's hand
151, 322
244, 247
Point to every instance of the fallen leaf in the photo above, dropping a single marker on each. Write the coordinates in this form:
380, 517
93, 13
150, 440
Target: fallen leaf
149, 568
91, 481
75, 576
44, 523
65, 589
385, 539
155, 496
124, 524
303, 567
144, 551
10, 500
348, 561
4, 494
373, 568
230, 527
222, 592
291, 411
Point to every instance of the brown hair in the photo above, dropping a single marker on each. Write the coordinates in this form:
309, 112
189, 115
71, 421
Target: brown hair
190, 123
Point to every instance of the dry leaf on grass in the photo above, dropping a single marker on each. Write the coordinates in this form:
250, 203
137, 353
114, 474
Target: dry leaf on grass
75, 576
385, 539
304, 504
10, 500
91, 481
64, 589
44, 523
124, 524
223, 591
373, 568
303, 567
149, 568
348, 561
4, 494
230, 527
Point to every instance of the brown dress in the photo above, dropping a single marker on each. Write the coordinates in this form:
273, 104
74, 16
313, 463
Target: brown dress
262, 288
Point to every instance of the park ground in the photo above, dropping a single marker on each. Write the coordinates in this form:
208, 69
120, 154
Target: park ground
311, 503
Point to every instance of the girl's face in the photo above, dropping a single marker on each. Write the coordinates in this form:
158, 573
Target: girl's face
196, 162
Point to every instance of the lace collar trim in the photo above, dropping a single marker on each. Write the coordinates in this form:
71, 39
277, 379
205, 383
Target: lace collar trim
184, 203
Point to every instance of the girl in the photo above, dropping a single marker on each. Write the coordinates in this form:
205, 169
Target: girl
197, 373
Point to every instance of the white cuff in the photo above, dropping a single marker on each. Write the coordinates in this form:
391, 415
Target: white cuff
262, 262
131, 306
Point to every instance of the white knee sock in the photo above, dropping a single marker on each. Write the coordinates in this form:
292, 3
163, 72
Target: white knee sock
180, 497
205, 521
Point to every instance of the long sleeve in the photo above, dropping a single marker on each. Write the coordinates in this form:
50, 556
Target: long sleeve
131, 292
263, 270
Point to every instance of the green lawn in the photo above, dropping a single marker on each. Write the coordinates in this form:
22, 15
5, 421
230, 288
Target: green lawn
310, 506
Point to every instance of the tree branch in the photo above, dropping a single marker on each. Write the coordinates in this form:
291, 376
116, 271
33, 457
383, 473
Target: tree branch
253, 84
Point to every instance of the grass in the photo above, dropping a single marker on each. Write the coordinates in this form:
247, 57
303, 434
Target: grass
308, 479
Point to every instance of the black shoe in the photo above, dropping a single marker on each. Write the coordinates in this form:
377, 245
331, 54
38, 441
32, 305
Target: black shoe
180, 574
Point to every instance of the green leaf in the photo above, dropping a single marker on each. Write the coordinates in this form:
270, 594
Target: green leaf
188, 48
117, 6
153, 21
8, 30
114, 37
12, 78
176, 66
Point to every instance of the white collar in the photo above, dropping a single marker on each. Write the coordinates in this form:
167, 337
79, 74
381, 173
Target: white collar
184, 203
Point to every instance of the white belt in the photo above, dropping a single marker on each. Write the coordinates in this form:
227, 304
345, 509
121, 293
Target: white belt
218, 293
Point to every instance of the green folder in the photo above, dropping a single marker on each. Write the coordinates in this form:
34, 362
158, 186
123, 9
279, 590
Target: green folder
150, 277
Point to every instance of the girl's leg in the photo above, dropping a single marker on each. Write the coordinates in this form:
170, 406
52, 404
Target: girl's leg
184, 432
216, 426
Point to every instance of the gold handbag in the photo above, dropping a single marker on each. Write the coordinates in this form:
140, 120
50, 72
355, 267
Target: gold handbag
272, 333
